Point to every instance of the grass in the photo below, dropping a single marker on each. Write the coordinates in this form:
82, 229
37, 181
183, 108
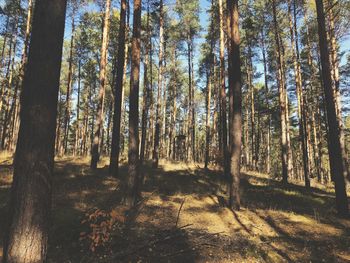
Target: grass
277, 223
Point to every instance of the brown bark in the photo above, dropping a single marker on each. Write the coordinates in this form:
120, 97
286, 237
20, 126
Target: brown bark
95, 150
115, 147
133, 191
222, 94
299, 90
23, 64
207, 120
282, 97
336, 158
334, 60
235, 131
157, 140
146, 94
30, 204
69, 88
267, 91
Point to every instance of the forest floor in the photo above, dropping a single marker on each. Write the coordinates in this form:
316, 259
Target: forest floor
183, 218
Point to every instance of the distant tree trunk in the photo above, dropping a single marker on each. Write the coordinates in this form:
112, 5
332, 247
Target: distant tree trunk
163, 132
172, 133
77, 125
95, 150
335, 150
300, 96
267, 91
151, 105
222, 95
5, 96
282, 98
146, 94
133, 191
157, 140
207, 120
315, 114
4, 41
250, 75
235, 105
190, 101
69, 88
24, 57
30, 202
115, 147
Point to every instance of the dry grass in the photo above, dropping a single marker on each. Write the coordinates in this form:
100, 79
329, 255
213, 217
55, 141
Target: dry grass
276, 224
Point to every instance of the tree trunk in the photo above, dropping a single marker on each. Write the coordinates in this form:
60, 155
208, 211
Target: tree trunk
235, 105
77, 125
267, 91
115, 147
133, 192
335, 150
222, 94
95, 150
300, 95
207, 120
146, 94
282, 98
69, 88
157, 135
30, 202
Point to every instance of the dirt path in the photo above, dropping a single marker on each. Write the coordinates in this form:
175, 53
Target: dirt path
276, 224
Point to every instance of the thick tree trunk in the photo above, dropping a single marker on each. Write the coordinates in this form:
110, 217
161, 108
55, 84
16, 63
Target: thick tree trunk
30, 204
334, 60
133, 191
235, 105
335, 150
115, 147
95, 150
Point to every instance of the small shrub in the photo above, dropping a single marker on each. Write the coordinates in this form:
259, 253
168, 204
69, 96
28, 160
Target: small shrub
100, 225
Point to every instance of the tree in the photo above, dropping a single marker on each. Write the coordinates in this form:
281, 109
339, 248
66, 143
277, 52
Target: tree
189, 17
160, 85
30, 202
95, 151
132, 192
114, 158
335, 150
235, 98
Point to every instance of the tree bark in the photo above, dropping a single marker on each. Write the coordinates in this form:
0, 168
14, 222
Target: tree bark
133, 191
69, 87
146, 94
336, 158
157, 140
282, 98
300, 96
115, 147
235, 105
95, 150
30, 204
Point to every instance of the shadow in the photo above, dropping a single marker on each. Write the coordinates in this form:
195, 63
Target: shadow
151, 236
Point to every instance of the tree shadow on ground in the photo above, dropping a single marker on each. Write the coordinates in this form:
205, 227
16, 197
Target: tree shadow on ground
154, 235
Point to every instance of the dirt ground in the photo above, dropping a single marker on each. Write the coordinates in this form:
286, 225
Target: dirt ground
183, 217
